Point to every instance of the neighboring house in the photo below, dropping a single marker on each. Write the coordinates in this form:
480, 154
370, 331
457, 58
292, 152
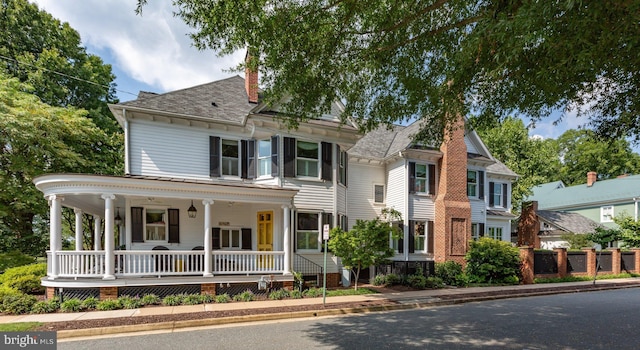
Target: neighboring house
599, 201
217, 192
545, 228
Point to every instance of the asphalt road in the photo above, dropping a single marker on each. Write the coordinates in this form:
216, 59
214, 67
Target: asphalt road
594, 320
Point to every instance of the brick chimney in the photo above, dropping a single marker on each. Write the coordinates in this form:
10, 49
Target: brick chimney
529, 226
592, 176
452, 209
250, 79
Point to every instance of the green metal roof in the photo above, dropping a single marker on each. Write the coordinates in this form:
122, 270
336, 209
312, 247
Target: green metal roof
554, 195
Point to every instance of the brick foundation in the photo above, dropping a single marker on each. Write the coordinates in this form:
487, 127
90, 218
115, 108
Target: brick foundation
208, 288
108, 293
288, 285
526, 257
50, 293
333, 280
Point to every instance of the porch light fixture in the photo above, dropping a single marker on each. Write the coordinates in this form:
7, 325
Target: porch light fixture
192, 211
118, 220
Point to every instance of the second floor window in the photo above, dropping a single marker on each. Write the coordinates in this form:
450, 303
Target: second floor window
421, 178
307, 159
475, 184
264, 157
606, 213
230, 157
342, 170
378, 194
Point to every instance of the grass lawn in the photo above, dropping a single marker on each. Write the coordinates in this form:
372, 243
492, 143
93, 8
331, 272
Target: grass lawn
19, 327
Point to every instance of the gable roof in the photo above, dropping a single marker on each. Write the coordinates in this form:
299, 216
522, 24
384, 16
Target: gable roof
224, 100
568, 222
555, 195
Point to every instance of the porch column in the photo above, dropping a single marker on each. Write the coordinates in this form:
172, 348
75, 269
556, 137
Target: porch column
79, 235
109, 273
97, 237
286, 209
207, 237
55, 233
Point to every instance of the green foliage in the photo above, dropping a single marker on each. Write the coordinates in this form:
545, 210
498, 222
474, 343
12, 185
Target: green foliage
378, 280
20, 326
295, 294
129, 302
25, 278
90, 303
298, 281
206, 298
576, 241
417, 281
71, 305
492, 261
451, 273
313, 292
18, 304
45, 306
109, 304
247, 295
629, 230
392, 279
603, 236
192, 299
366, 244
434, 282
150, 299
222, 298
279, 294
342, 292
6, 290
14, 259
172, 300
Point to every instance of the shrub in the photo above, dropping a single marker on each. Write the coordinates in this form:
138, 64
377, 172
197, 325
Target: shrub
129, 302
313, 292
5, 290
279, 294
451, 273
150, 299
206, 298
417, 281
25, 278
247, 295
71, 305
295, 294
109, 304
90, 303
222, 298
18, 304
14, 259
434, 282
392, 279
378, 280
45, 307
492, 261
172, 300
191, 299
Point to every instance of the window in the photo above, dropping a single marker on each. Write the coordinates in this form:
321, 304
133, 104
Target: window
156, 225
343, 222
307, 159
342, 167
477, 231
472, 183
495, 233
421, 178
307, 233
230, 238
264, 157
397, 243
496, 196
419, 235
378, 193
230, 157
606, 213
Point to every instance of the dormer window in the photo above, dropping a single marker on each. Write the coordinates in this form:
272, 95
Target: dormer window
422, 178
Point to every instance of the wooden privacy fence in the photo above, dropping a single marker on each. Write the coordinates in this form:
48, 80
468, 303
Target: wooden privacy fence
562, 263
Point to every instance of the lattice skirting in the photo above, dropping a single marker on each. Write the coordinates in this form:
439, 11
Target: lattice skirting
80, 293
237, 288
161, 291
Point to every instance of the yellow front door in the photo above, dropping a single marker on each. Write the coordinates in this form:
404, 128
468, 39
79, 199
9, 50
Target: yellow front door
265, 237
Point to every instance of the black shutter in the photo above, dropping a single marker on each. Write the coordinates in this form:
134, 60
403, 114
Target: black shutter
327, 161
412, 177
327, 219
246, 238
137, 225
274, 156
430, 234
174, 225
294, 227
251, 159
481, 226
504, 195
401, 239
346, 168
412, 237
491, 189
289, 156
481, 184
244, 161
432, 179
214, 156
216, 241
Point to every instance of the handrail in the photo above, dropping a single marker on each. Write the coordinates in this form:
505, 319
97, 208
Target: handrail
305, 266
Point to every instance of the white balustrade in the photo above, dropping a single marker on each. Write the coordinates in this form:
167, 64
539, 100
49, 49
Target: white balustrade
83, 263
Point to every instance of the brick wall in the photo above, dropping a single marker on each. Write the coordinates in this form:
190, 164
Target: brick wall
107, 293
208, 288
529, 226
452, 224
50, 293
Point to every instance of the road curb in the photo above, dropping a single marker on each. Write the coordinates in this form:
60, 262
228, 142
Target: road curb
432, 302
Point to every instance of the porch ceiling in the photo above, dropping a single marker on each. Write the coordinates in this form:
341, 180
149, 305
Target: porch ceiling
84, 191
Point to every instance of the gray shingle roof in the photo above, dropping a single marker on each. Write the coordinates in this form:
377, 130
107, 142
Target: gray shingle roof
499, 168
228, 95
568, 222
375, 144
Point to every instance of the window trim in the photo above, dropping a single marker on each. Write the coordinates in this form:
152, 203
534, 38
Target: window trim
318, 232
260, 158
342, 166
317, 160
238, 159
145, 224
230, 229
384, 195
491, 232
475, 184
602, 213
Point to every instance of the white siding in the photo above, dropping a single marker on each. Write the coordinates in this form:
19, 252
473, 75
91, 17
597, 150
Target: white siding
312, 194
478, 210
360, 193
333, 265
341, 199
169, 150
397, 189
471, 148
421, 207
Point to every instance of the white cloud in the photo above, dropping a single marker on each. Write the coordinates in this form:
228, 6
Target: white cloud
153, 48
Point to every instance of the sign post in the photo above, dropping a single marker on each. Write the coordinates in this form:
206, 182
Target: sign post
325, 238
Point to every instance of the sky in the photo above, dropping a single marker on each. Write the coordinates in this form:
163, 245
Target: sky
153, 52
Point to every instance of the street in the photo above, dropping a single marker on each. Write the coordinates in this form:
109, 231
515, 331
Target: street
594, 320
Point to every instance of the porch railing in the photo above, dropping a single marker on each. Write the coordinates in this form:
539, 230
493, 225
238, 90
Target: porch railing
167, 263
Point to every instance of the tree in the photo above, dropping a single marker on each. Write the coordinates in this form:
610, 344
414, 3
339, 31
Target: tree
535, 160
435, 60
366, 244
603, 236
492, 261
629, 230
582, 151
35, 139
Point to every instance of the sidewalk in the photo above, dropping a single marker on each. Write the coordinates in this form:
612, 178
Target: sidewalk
402, 300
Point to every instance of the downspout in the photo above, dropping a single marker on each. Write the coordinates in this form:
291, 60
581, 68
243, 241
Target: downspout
635, 204
405, 226
127, 169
